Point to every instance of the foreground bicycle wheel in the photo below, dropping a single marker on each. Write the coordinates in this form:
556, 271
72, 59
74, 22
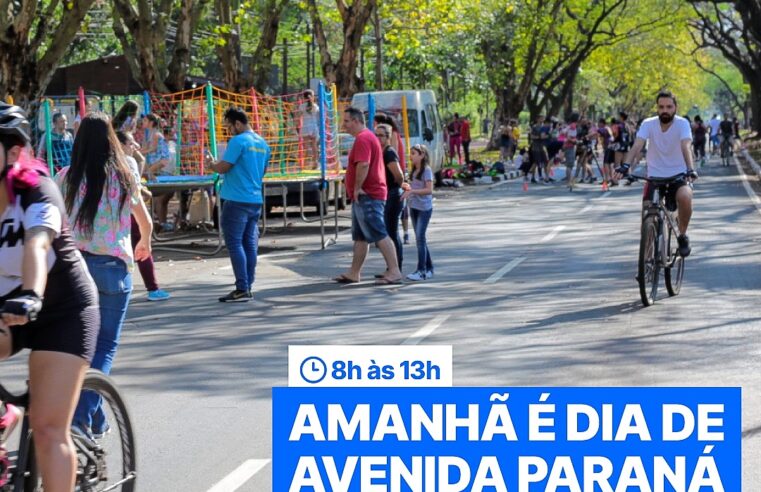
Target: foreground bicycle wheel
674, 274
647, 273
107, 462
104, 463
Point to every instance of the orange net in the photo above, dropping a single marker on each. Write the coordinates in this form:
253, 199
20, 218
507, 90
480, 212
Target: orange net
302, 140
185, 122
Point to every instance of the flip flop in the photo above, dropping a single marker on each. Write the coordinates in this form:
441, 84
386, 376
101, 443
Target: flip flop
388, 281
343, 279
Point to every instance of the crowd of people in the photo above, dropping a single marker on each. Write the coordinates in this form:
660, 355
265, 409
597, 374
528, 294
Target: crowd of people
590, 151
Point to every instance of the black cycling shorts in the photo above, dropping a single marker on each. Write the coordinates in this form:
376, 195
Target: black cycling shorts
671, 190
69, 325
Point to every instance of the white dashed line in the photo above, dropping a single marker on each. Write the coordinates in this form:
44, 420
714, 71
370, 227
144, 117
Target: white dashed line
239, 476
603, 196
550, 236
427, 330
504, 270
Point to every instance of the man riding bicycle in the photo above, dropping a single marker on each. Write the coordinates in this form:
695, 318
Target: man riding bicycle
48, 299
727, 133
669, 153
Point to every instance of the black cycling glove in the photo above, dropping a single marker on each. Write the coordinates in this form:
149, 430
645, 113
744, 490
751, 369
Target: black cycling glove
623, 169
27, 303
692, 174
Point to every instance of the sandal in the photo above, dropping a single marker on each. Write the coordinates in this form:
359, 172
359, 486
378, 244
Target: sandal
388, 281
343, 279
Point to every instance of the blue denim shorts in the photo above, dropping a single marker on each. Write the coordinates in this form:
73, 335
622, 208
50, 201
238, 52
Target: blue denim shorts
367, 222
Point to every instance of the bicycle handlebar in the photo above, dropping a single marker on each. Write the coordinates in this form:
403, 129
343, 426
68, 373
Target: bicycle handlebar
646, 178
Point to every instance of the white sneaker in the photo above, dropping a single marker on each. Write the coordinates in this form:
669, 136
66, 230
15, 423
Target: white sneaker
429, 274
416, 276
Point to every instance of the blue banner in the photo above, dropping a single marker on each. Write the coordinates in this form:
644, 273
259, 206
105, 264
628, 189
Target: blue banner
507, 439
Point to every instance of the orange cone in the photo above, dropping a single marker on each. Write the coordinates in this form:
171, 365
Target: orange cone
525, 186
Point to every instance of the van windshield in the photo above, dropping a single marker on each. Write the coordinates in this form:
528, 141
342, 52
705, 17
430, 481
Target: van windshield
396, 113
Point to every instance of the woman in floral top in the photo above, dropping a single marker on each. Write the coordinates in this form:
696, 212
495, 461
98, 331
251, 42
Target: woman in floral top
100, 192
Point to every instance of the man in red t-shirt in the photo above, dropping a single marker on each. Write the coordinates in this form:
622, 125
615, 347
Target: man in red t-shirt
366, 188
465, 137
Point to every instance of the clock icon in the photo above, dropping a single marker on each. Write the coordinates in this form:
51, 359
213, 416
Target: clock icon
313, 370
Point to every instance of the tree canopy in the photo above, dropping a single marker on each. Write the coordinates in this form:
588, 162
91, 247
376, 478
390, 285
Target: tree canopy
505, 58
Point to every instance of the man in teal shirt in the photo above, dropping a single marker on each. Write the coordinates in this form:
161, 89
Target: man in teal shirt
244, 164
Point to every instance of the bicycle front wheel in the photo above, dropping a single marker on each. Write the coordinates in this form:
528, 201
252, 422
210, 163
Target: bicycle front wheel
648, 270
674, 274
107, 459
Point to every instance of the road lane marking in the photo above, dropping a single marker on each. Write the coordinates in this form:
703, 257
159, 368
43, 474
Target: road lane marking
603, 196
748, 189
427, 330
585, 209
239, 476
550, 236
504, 270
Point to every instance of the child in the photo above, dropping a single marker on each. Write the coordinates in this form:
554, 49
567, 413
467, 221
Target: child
522, 163
419, 196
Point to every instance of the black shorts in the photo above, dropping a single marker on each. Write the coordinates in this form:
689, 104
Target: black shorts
671, 190
609, 156
73, 331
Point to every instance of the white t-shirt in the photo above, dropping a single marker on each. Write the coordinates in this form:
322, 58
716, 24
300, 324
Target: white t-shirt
714, 124
664, 149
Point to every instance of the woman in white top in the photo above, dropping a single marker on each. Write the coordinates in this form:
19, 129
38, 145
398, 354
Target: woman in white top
310, 127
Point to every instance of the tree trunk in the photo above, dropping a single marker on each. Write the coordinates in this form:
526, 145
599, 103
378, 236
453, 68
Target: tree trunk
354, 20
229, 54
508, 107
25, 72
755, 108
142, 31
190, 14
261, 65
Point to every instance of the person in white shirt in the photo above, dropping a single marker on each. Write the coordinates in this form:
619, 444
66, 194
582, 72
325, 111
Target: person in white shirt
714, 124
669, 153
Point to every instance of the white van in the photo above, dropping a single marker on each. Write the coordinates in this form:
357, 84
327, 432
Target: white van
422, 114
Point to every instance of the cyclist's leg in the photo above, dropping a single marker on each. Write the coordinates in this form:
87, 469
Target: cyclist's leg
55, 379
684, 206
6, 341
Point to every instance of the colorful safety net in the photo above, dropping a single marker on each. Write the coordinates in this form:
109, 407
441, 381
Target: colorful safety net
303, 139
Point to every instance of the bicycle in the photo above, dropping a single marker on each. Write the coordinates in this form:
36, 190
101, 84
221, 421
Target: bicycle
726, 150
95, 470
658, 247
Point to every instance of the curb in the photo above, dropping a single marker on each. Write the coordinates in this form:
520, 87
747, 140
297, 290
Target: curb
752, 161
508, 176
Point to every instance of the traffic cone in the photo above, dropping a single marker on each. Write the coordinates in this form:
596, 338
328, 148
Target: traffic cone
525, 186
604, 186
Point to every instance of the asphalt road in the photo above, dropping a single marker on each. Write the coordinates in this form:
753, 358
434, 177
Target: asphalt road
531, 288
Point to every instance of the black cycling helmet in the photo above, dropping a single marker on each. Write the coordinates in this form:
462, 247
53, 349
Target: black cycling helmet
13, 122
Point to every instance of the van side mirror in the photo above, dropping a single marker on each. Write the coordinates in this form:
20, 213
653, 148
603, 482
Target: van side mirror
428, 135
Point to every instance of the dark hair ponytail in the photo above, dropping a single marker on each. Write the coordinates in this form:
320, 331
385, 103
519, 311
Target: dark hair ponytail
96, 155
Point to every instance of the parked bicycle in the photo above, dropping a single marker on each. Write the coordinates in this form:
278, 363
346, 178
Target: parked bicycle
104, 463
658, 247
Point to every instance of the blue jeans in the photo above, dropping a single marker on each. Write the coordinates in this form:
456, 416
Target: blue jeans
114, 283
240, 225
420, 220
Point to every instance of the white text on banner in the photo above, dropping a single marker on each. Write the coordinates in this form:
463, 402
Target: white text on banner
370, 365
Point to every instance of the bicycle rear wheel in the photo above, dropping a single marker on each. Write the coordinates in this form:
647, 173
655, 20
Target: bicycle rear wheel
107, 462
674, 274
648, 270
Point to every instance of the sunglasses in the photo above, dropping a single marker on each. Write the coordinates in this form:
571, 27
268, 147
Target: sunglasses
385, 135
